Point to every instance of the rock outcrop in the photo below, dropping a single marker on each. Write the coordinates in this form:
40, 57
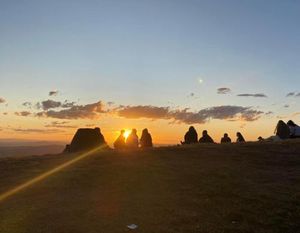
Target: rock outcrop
85, 139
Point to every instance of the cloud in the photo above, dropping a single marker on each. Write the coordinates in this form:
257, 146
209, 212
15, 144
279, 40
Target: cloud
2, 100
48, 104
62, 124
73, 111
89, 111
59, 122
184, 116
90, 125
146, 111
260, 95
53, 93
188, 117
291, 94
67, 104
191, 95
223, 90
29, 130
27, 104
269, 113
281, 117
23, 113
219, 112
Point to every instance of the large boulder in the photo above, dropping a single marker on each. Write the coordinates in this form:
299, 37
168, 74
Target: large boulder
85, 139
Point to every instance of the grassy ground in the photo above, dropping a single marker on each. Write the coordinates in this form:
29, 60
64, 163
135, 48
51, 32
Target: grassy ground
204, 188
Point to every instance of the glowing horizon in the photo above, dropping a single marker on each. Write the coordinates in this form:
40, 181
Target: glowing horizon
223, 67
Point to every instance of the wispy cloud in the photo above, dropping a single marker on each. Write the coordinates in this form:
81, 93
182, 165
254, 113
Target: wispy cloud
293, 94
33, 130
269, 113
223, 90
53, 93
259, 95
60, 124
27, 104
2, 100
192, 94
23, 113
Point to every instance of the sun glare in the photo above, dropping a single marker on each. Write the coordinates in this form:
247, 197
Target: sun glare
126, 134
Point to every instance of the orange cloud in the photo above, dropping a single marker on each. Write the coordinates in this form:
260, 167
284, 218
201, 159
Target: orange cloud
23, 113
184, 116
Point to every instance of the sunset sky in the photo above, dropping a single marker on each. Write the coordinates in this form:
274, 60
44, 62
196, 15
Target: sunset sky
224, 66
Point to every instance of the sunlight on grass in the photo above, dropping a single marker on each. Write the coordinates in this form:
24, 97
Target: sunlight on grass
43, 176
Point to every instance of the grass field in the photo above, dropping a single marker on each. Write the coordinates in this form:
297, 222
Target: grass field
204, 188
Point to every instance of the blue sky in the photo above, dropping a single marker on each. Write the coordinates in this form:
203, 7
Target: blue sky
151, 52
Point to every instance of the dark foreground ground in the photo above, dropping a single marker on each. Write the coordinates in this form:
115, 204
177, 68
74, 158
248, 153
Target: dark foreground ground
203, 188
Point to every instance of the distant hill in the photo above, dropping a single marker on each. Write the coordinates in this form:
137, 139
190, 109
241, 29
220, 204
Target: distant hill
25, 147
6, 151
5, 142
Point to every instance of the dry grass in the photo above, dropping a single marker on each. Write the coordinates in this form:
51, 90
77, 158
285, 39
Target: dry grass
203, 188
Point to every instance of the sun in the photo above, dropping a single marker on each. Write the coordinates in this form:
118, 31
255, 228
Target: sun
126, 134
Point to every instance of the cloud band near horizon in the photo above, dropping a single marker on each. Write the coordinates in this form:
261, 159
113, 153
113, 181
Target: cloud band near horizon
97, 109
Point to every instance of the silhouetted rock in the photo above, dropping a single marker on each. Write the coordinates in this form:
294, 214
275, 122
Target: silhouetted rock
84, 139
67, 149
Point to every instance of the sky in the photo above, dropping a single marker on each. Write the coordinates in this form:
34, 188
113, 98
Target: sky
224, 66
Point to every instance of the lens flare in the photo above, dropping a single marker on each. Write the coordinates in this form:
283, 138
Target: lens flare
126, 134
43, 176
